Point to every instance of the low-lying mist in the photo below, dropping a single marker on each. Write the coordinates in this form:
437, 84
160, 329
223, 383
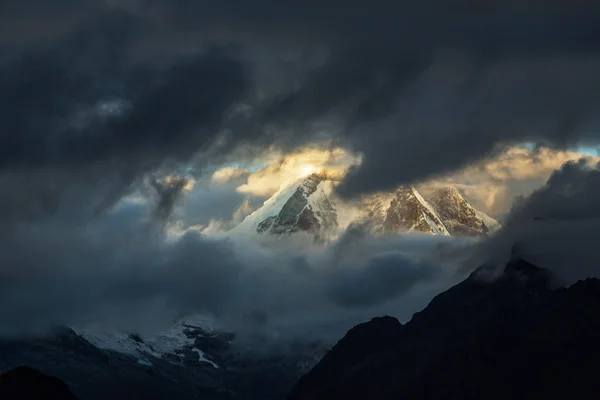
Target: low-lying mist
123, 271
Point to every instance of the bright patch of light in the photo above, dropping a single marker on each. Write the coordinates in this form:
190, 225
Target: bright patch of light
307, 170
284, 168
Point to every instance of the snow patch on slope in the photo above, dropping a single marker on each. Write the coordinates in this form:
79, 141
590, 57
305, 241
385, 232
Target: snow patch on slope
270, 208
119, 342
324, 210
156, 345
316, 199
435, 227
490, 222
201, 358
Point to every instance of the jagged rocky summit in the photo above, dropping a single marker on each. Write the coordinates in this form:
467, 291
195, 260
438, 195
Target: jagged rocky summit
308, 209
309, 205
515, 337
304, 205
434, 208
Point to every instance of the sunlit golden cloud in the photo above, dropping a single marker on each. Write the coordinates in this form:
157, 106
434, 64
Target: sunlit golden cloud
490, 185
281, 169
521, 164
494, 184
173, 180
228, 174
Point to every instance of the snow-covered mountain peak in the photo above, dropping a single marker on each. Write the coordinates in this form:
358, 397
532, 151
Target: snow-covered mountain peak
409, 212
309, 205
302, 205
459, 216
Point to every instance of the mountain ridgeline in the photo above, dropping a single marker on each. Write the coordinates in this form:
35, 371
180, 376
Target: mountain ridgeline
517, 337
309, 205
308, 209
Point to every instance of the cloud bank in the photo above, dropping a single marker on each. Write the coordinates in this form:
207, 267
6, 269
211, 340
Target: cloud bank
416, 88
494, 184
555, 227
97, 97
120, 272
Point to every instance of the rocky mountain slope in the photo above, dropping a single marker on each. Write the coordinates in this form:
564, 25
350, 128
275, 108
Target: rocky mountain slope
408, 211
457, 214
434, 208
309, 205
186, 362
303, 205
513, 338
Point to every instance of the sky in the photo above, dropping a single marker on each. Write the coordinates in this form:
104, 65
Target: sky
123, 121
586, 150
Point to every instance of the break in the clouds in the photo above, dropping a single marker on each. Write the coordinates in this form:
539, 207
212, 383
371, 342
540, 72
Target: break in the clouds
496, 183
490, 185
280, 168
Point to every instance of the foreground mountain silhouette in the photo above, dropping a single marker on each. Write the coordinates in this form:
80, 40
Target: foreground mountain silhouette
28, 383
511, 338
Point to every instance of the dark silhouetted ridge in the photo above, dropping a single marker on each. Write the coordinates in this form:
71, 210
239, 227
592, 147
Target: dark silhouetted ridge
27, 383
510, 338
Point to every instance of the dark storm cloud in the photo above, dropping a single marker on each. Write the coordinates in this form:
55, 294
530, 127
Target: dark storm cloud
423, 88
385, 277
572, 192
173, 112
445, 121
95, 95
556, 226
110, 273
119, 272
419, 88
37, 21
82, 109
169, 191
